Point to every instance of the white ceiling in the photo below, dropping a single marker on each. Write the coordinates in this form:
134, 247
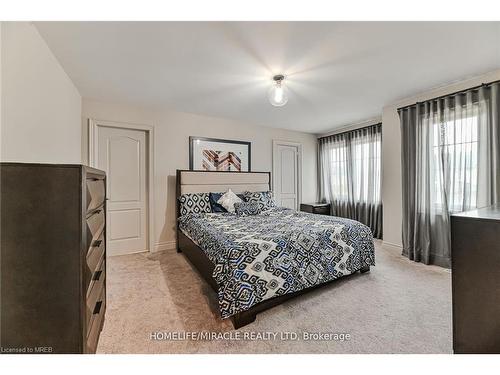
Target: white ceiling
337, 72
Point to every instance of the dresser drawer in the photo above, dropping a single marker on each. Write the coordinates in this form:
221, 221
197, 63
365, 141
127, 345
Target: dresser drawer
316, 208
95, 226
96, 322
96, 193
95, 288
324, 210
95, 252
94, 257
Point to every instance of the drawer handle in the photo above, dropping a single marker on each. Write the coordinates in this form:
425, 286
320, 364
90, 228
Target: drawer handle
97, 275
97, 308
97, 243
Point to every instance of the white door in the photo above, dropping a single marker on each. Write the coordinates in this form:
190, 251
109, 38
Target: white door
286, 170
122, 154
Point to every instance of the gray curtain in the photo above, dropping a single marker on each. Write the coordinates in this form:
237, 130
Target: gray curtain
450, 156
350, 175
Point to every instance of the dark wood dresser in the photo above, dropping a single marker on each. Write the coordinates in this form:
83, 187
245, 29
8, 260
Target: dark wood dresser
316, 208
476, 280
53, 258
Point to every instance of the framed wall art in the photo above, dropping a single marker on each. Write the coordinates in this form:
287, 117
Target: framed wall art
211, 154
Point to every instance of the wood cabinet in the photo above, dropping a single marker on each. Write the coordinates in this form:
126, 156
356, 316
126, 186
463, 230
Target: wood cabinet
53, 258
476, 280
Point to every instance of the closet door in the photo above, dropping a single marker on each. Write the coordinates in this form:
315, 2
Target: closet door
122, 154
286, 174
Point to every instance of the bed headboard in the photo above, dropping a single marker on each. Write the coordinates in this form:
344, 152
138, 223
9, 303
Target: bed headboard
215, 181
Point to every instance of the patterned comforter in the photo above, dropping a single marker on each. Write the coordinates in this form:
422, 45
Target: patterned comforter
276, 252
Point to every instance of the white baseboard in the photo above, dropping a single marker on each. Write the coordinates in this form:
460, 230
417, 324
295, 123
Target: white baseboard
127, 253
165, 245
392, 246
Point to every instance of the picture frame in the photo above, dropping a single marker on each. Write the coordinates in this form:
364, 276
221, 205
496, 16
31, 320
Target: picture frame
213, 154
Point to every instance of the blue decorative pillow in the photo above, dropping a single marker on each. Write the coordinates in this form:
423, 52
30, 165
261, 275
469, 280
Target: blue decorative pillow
263, 198
194, 203
247, 208
216, 207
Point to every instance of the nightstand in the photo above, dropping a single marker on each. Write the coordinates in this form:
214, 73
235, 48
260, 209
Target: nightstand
316, 208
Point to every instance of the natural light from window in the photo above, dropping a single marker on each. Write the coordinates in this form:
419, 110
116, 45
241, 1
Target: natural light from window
365, 173
455, 163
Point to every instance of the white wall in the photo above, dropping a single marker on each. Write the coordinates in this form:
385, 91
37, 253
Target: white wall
391, 154
41, 107
172, 130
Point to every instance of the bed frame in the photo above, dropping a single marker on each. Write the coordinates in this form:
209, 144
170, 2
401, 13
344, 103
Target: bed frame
206, 181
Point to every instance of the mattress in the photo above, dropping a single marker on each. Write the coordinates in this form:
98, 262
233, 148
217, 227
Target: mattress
276, 252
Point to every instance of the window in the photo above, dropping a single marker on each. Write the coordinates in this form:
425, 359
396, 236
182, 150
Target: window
352, 167
455, 163
338, 167
366, 169
350, 175
449, 154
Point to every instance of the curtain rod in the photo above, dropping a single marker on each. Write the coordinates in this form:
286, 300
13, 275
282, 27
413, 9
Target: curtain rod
350, 131
451, 94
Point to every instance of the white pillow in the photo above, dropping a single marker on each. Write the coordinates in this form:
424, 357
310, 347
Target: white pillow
228, 200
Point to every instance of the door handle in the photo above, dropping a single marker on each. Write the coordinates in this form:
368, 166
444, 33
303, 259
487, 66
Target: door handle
97, 308
97, 275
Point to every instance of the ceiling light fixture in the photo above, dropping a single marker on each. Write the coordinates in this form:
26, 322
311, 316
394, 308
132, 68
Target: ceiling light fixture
278, 93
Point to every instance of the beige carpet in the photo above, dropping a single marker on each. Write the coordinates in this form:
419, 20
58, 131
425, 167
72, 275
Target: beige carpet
399, 307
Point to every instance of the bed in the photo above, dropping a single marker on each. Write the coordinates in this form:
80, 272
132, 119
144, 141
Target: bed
258, 261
